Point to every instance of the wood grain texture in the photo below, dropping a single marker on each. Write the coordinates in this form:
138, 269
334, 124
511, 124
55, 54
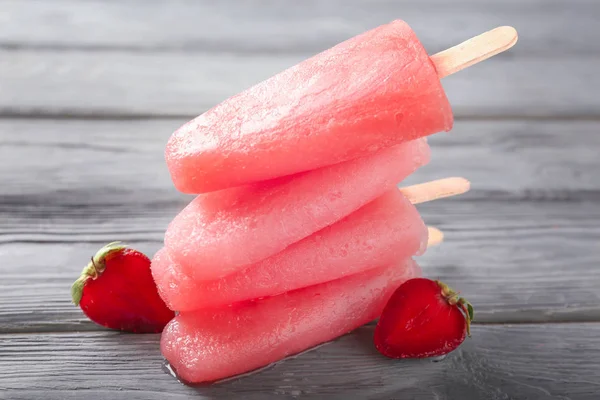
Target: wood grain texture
142, 58
288, 26
152, 84
516, 262
61, 163
499, 362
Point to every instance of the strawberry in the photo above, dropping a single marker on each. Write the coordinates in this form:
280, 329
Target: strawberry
423, 318
116, 290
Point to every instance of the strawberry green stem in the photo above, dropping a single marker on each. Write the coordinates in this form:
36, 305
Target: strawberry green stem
453, 298
94, 269
468, 311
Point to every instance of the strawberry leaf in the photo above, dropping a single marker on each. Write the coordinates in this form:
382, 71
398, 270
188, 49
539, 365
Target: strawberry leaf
94, 268
470, 311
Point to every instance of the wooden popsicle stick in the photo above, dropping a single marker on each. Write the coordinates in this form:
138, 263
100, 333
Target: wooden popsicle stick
474, 50
435, 236
438, 189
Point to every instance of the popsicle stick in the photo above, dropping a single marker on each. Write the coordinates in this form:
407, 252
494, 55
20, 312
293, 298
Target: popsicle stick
474, 50
435, 236
438, 189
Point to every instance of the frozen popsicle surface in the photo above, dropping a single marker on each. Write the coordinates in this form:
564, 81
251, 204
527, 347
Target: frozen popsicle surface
222, 232
213, 344
370, 92
384, 231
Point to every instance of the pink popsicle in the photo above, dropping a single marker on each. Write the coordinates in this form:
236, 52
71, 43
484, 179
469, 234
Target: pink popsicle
370, 92
385, 230
213, 344
222, 232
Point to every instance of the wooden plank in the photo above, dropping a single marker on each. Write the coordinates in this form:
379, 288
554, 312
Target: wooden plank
58, 164
36, 280
186, 84
519, 262
181, 58
515, 261
498, 362
547, 27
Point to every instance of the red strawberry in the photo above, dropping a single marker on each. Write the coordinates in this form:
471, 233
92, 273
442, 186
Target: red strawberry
423, 318
116, 290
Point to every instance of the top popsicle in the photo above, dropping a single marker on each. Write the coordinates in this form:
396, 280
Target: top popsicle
373, 91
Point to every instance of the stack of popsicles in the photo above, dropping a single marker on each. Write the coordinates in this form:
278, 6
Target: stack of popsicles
298, 233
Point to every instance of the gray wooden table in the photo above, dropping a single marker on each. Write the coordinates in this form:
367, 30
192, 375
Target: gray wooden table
91, 90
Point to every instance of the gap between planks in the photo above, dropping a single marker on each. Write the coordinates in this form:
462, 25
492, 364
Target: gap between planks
578, 317
110, 115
